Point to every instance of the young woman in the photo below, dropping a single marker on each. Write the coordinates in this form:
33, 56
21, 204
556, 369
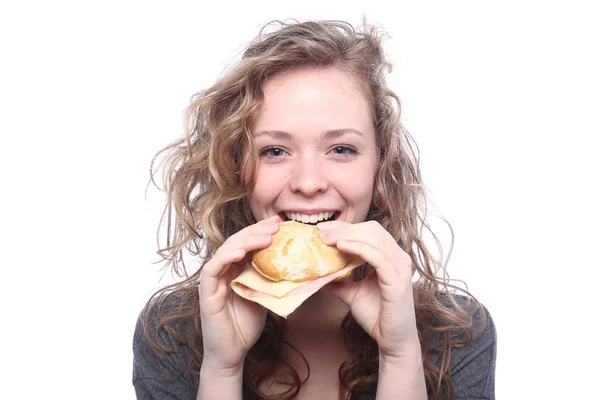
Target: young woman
304, 125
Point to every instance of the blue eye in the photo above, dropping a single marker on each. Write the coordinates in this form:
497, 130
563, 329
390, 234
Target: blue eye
272, 152
343, 150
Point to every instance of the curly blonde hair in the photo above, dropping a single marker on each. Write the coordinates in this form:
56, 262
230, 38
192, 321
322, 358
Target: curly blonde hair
207, 203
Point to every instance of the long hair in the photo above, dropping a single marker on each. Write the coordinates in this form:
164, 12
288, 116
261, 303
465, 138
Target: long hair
203, 179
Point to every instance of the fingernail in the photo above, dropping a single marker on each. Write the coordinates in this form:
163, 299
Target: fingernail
239, 252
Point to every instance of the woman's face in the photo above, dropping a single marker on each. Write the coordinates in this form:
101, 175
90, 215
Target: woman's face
317, 150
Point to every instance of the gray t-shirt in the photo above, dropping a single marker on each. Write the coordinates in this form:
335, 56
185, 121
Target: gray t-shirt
472, 368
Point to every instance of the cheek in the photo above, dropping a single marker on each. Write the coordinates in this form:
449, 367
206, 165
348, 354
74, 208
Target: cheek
365, 189
265, 190
257, 200
359, 189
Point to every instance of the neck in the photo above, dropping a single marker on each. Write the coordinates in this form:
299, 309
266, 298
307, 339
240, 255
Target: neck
314, 329
322, 311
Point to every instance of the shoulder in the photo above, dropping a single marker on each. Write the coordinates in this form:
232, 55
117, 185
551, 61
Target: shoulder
160, 356
472, 366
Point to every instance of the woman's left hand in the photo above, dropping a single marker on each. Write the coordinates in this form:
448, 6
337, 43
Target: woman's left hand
382, 303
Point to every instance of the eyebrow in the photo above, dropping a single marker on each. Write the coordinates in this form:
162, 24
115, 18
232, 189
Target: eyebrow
327, 134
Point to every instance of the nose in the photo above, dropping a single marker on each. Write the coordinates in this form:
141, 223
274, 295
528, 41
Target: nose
308, 177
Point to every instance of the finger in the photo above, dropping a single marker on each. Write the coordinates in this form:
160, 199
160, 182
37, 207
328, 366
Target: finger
234, 271
274, 218
328, 225
247, 238
210, 274
252, 239
386, 272
213, 291
240, 239
234, 251
372, 234
369, 232
345, 291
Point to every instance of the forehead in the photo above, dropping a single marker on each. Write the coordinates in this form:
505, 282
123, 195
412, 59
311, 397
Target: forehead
314, 100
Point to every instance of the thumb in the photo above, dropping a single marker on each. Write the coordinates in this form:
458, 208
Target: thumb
345, 291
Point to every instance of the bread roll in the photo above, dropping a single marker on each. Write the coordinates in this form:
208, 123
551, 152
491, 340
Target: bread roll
298, 254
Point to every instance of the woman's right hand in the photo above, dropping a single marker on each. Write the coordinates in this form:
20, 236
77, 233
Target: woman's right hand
231, 325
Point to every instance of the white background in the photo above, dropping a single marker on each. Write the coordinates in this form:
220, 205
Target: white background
502, 98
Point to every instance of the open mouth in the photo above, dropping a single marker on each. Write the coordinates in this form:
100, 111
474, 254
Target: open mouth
310, 219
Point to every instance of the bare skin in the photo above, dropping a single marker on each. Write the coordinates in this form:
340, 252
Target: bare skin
314, 329
317, 150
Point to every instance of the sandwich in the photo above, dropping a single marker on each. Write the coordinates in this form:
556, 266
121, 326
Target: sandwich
294, 267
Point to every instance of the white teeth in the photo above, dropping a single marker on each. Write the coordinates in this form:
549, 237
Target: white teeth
313, 219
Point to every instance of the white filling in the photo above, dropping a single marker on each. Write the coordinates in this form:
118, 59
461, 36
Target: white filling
313, 219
